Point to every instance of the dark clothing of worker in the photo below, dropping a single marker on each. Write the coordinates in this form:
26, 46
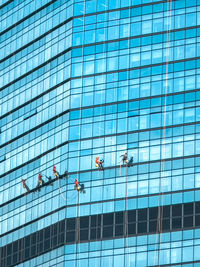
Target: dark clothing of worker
65, 175
40, 181
130, 162
25, 185
50, 180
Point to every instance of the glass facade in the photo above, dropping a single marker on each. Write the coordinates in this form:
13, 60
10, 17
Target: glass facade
93, 78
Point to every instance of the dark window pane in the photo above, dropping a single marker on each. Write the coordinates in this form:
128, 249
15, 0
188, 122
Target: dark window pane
33, 239
153, 226
33, 251
93, 220
142, 215
119, 230
108, 219
27, 253
99, 220
98, 232
47, 244
70, 236
176, 223
166, 211
93, 234
165, 224
177, 210
153, 213
131, 216
119, 217
61, 238
197, 220
84, 235
84, 222
131, 229
188, 208
62, 226
108, 231
54, 229
9, 249
197, 207
40, 248
70, 224
8, 261
54, 241
27, 241
47, 233
142, 227
2, 262
15, 246
188, 221
15, 258
40, 234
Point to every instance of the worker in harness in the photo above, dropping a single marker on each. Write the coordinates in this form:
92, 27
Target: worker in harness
56, 174
124, 158
79, 187
25, 185
40, 181
99, 163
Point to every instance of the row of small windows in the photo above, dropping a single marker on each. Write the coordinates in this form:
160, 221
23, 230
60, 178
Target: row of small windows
100, 6
133, 108
120, 62
26, 95
135, 105
10, 12
145, 42
24, 33
102, 227
125, 44
101, 94
42, 44
122, 108
134, 29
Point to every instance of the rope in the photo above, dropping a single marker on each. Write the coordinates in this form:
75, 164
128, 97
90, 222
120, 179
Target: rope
126, 219
78, 222
60, 189
78, 204
162, 166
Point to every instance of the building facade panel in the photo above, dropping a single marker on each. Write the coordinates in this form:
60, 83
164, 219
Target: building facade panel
87, 79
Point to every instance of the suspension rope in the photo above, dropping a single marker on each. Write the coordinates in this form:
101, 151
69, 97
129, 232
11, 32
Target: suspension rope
79, 191
162, 162
126, 218
126, 181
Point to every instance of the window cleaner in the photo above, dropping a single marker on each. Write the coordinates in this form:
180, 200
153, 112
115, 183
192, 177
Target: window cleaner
25, 185
79, 187
124, 158
56, 174
99, 163
40, 181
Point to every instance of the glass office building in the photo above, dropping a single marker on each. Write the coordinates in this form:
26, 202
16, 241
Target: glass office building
82, 79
